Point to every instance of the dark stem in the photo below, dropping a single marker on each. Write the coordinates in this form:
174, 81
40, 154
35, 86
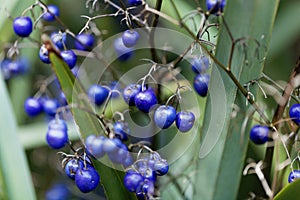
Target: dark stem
289, 88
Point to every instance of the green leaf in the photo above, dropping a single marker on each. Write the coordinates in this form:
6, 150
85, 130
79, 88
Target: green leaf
225, 136
13, 163
111, 179
290, 192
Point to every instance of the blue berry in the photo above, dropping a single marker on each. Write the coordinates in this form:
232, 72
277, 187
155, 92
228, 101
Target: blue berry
11, 67
128, 161
32, 107
69, 57
133, 181
44, 54
215, 6
58, 192
59, 39
110, 145
130, 38
200, 65
123, 52
87, 179
145, 170
185, 120
295, 113
135, 2
57, 136
259, 134
161, 167
84, 41
293, 176
121, 130
50, 106
164, 116
130, 92
57, 124
148, 188
98, 94
145, 100
201, 82
96, 147
22, 26
72, 167
120, 154
50, 16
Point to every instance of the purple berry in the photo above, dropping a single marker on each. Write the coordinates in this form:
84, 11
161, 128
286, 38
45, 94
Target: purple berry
98, 94
130, 38
145, 100
87, 179
69, 57
57, 136
164, 116
22, 26
84, 41
50, 16
185, 120
201, 82
259, 134
32, 107
130, 92
133, 181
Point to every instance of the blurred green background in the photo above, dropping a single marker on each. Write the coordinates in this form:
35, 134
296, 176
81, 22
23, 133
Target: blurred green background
43, 161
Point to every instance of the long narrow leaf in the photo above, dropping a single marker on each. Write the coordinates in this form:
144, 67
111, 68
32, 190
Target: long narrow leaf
13, 161
225, 136
111, 179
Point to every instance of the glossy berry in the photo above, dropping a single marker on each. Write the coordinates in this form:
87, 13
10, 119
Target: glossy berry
134, 2
72, 167
259, 134
215, 6
295, 113
50, 16
22, 26
121, 130
161, 167
185, 120
130, 92
110, 145
57, 136
130, 38
84, 41
133, 181
87, 179
98, 94
59, 39
293, 176
164, 116
145, 100
50, 106
44, 54
200, 65
32, 107
96, 147
69, 57
201, 82
123, 52
88, 143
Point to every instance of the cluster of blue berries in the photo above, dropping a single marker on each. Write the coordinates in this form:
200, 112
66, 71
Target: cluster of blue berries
13, 67
34, 106
114, 148
201, 80
80, 169
140, 177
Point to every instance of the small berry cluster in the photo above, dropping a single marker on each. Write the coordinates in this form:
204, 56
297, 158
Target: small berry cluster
201, 80
80, 169
34, 106
141, 176
13, 67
